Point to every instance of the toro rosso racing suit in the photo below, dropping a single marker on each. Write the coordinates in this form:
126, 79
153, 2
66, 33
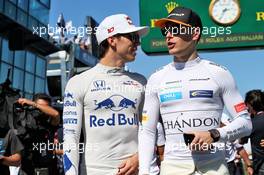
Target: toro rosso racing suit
106, 102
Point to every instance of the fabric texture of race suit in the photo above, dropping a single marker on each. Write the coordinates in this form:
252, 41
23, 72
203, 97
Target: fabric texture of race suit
106, 102
190, 97
160, 141
231, 148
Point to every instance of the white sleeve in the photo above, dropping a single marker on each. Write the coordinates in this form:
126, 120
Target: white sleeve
147, 134
72, 123
238, 145
161, 135
241, 125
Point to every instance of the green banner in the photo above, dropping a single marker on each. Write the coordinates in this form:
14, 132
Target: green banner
227, 24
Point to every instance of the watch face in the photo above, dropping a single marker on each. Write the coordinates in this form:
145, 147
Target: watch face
215, 134
225, 11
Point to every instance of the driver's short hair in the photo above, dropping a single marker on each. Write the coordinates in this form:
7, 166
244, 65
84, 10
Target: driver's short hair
102, 49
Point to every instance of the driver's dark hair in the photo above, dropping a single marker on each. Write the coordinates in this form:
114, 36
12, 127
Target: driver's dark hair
256, 99
102, 49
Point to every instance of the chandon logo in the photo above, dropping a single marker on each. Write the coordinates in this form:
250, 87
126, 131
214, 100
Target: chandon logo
191, 123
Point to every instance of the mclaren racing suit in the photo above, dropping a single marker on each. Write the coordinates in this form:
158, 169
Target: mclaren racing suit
190, 97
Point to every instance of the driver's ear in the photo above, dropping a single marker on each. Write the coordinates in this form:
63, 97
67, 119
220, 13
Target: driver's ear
111, 41
196, 33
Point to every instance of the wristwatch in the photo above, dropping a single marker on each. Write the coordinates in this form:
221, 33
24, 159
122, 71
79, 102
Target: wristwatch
215, 134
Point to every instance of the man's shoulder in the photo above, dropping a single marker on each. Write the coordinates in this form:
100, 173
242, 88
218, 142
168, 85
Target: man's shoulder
12, 138
83, 77
218, 72
259, 118
258, 122
87, 73
159, 73
79, 83
214, 66
138, 77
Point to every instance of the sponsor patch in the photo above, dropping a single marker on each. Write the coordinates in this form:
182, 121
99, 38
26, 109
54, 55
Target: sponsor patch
69, 113
110, 30
115, 103
100, 85
114, 120
240, 107
129, 20
69, 121
170, 88
145, 118
170, 96
69, 103
201, 94
133, 83
174, 82
199, 79
185, 121
69, 131
68, 95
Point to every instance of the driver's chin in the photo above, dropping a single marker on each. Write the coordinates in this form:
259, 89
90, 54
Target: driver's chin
172, 51
132, 54
130, 57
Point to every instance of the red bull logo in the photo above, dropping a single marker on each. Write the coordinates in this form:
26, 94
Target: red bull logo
69, 103
116, 103
115, 119
68, 95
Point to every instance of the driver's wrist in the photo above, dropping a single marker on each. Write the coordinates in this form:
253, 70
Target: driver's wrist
249, 166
